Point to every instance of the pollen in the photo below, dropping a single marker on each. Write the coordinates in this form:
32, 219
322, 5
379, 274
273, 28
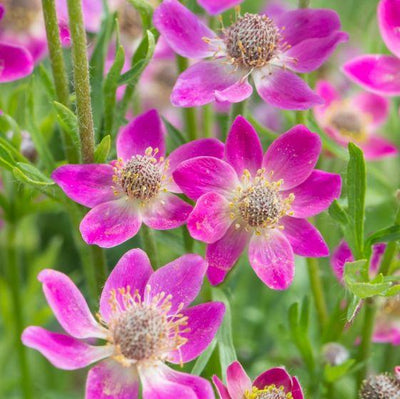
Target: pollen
252, 41
269, 392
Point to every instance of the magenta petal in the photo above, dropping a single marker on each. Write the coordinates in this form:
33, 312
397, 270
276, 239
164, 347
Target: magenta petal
215, 7
111, 223
89, 184
310, 54
221, 388
377, 253
377, 148
16, 63
315, 194
200, 175
304, 238
243, 148
168, 211
63, 351
207, 81
223, 254
69, 305
142, 132
377, 73
203, 323
238, 381
133, 270
109, 380
210, 218
277, 376
182, 30
327, 91
389, 23
284, 89
376, 107
182, 278
303, 24
162, 382
272, 259
340, 256
292, 156
297, 392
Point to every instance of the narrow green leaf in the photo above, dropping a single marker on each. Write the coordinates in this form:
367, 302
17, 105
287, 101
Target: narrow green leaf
338, 213
34, 175
145, 10
203, 359
47, 82
387, 234
102, 150
334, 373
176, 136
354, 307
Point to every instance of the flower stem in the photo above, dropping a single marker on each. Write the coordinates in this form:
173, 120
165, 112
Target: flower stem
13, 273
208, 119
189, 114
237, 109
81, 80
58, 70
317, 291
99, 263
149, 245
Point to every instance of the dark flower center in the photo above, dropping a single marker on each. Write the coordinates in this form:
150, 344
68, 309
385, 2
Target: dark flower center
382, 386
20, 15
348, 123
252, 41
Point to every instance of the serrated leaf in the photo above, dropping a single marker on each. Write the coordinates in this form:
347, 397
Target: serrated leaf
102, 150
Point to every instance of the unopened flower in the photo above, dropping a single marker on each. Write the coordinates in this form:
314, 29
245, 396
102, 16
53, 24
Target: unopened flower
274, 383
134, 189
355, 119
334, 354
262, 200
381, 386
270, 51
144, 320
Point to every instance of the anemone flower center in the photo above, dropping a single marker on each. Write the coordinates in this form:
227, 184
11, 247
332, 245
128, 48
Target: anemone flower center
252, 41
140, 177
380, 386
269, 392
20, 15
349, 123
144, 329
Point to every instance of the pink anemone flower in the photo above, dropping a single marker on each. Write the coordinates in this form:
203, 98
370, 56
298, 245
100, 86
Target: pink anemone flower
273, 383
214, 7
355, 119
260, 200
134, 189
255, 45
375, 72
144, 320
387, 325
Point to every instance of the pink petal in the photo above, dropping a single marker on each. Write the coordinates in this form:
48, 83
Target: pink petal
297, 392
389, 24
375, 106
68, 305
315, 194
210, 218
133, 270
340, 256
202, 147
207, 81
162, 382
142, 132
277, 376
328, 92
377, 254
166, 212
221, 388
377, 148
223, 254
15, 63
215, 7
379, 74
203, 323
89, 184
182, 30
304, 238
292, 156
283, 89
111, 223
109, 380
63, 351
182, 278
272, 259
200, 175
243, 148
238, 381
310, 54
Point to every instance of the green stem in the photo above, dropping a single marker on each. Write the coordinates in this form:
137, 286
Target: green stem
236, 110
304, 3
301, 117
81, 80
189, 114
58, 70
13, 273
208, 119
188, 241
99, 263
317, 291
149, 245
366, 339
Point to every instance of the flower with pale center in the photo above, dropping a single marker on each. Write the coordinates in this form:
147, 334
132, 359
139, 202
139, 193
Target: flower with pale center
135, 188
270, 51
274, 383
355, 119
144, 321
260, 200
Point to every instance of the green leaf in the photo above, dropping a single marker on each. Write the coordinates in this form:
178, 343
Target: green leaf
34, 175
334, 373
353, 308
145, 10
356, 186
174, 134
387, 234
46, 81
6, 159
102, 150
203, 359
338, 213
